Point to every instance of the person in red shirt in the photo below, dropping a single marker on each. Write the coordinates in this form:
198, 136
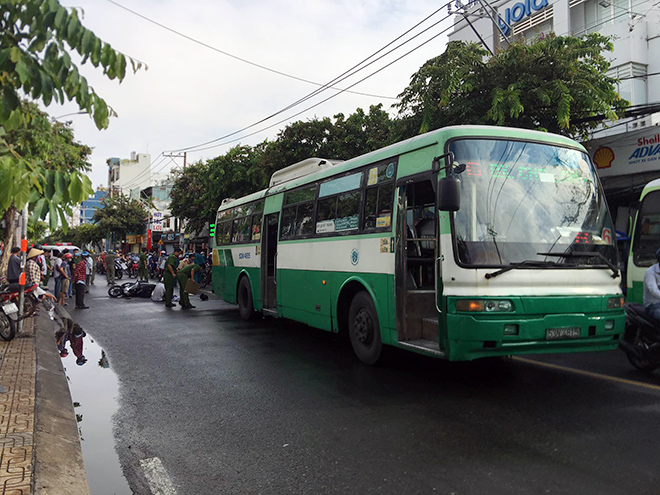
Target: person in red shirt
79, 273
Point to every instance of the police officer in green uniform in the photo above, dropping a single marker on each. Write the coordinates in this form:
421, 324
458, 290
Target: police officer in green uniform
182, 276
169, 275
142, 266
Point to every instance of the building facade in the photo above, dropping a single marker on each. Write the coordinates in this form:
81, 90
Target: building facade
89, 206
127, 174
627, 153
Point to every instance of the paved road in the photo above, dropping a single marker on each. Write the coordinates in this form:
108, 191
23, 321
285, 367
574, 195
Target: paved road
272, 407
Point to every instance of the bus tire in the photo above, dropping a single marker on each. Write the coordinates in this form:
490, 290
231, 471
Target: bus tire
244, 298
364, 329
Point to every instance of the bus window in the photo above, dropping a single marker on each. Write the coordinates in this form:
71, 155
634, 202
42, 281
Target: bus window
647, 233
339, 213
378, 207
223, 233
288, 228
241, 232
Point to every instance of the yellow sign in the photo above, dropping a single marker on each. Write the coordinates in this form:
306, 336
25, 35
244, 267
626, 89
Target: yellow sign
160, 242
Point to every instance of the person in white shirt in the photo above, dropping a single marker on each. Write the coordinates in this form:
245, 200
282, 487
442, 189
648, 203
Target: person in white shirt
652, 289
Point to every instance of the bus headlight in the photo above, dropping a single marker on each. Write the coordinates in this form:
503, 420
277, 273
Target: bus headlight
615, 302
484, 305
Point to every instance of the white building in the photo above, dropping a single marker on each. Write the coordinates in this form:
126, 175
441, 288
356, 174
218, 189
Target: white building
627, 153
125, 175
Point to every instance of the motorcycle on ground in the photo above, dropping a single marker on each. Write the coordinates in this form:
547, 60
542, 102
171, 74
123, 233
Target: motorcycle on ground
641, 339
138, 288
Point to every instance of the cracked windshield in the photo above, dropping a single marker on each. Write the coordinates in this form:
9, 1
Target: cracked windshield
519, 199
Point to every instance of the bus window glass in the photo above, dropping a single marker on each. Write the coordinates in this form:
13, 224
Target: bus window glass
258, 207
521, 198
342, 184
225, 215
241, 232
243, 210
304, 219
287, 230
348, 211
647, 231
307, 193
378, 207
256, 226
222, 232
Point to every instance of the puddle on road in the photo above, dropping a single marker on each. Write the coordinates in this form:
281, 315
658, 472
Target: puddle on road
94, 391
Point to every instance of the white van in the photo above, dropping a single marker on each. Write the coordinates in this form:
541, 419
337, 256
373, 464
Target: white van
54, 248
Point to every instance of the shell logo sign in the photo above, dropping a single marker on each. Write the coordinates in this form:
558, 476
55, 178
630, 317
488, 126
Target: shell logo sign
603, 157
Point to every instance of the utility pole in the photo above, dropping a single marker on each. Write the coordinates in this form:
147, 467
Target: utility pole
183, 155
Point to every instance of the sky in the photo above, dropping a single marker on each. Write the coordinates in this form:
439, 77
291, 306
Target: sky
191, 93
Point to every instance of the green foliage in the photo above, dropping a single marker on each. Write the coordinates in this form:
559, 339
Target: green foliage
82, 235
548, 85
43, 166
200, 188
121, 215
39, 162
35, 39
36, 230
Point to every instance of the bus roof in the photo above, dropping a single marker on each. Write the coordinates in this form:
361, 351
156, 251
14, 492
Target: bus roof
414, 143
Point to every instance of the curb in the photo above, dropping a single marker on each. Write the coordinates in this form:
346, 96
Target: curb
58, 460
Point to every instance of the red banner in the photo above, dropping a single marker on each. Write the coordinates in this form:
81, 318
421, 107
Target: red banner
148, 239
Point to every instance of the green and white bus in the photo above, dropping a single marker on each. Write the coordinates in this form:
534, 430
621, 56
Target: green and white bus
645, 240
462, 243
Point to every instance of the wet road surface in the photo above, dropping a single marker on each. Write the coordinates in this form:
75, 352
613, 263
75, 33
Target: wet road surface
211, 404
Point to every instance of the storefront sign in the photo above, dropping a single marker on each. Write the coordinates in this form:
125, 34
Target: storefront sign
630, 153
518, 12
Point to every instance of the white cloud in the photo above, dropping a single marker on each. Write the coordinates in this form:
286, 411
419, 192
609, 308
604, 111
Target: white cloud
191, 94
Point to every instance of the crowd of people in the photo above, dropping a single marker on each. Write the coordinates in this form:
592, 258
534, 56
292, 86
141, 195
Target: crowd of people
73, 271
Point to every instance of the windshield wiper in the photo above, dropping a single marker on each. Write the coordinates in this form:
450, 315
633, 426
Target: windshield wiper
587, 254
521, 264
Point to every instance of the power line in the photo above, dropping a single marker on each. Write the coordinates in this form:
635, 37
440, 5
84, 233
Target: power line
350, 72
210, 47
326, 99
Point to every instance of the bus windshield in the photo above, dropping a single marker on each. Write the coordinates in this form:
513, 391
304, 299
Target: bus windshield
519, 199
647, 232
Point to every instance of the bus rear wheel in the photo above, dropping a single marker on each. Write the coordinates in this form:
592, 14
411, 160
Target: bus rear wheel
364, 329
244, 296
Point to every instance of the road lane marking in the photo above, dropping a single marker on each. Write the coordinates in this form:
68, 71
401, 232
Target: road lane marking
158, 479
591, 374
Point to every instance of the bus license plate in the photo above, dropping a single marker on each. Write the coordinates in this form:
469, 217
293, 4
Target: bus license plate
10, 308
562, 333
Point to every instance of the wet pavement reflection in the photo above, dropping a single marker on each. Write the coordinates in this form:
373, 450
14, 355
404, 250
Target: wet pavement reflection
94, 390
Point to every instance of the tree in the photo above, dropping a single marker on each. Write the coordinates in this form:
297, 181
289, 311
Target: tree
199, 190
121, 215
549, 85
36, 37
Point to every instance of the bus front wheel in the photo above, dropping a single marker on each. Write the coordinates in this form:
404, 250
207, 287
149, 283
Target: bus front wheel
364, 329
245, 305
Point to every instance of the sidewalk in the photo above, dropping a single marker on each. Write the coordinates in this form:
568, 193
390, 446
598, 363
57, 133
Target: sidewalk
41, 451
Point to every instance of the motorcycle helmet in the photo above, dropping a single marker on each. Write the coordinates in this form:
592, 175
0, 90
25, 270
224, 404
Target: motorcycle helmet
204, 297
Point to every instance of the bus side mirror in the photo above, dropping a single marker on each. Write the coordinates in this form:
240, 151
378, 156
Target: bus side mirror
449, 194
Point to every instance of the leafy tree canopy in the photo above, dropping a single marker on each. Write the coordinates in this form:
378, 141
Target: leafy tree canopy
121, 215
36, 38
549, 85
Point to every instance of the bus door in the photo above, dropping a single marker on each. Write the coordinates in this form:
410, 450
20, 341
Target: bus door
269, 263
415, 274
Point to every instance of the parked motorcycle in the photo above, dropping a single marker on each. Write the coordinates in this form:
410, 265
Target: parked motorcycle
120, 268
9, 296
641, 340
138, 288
